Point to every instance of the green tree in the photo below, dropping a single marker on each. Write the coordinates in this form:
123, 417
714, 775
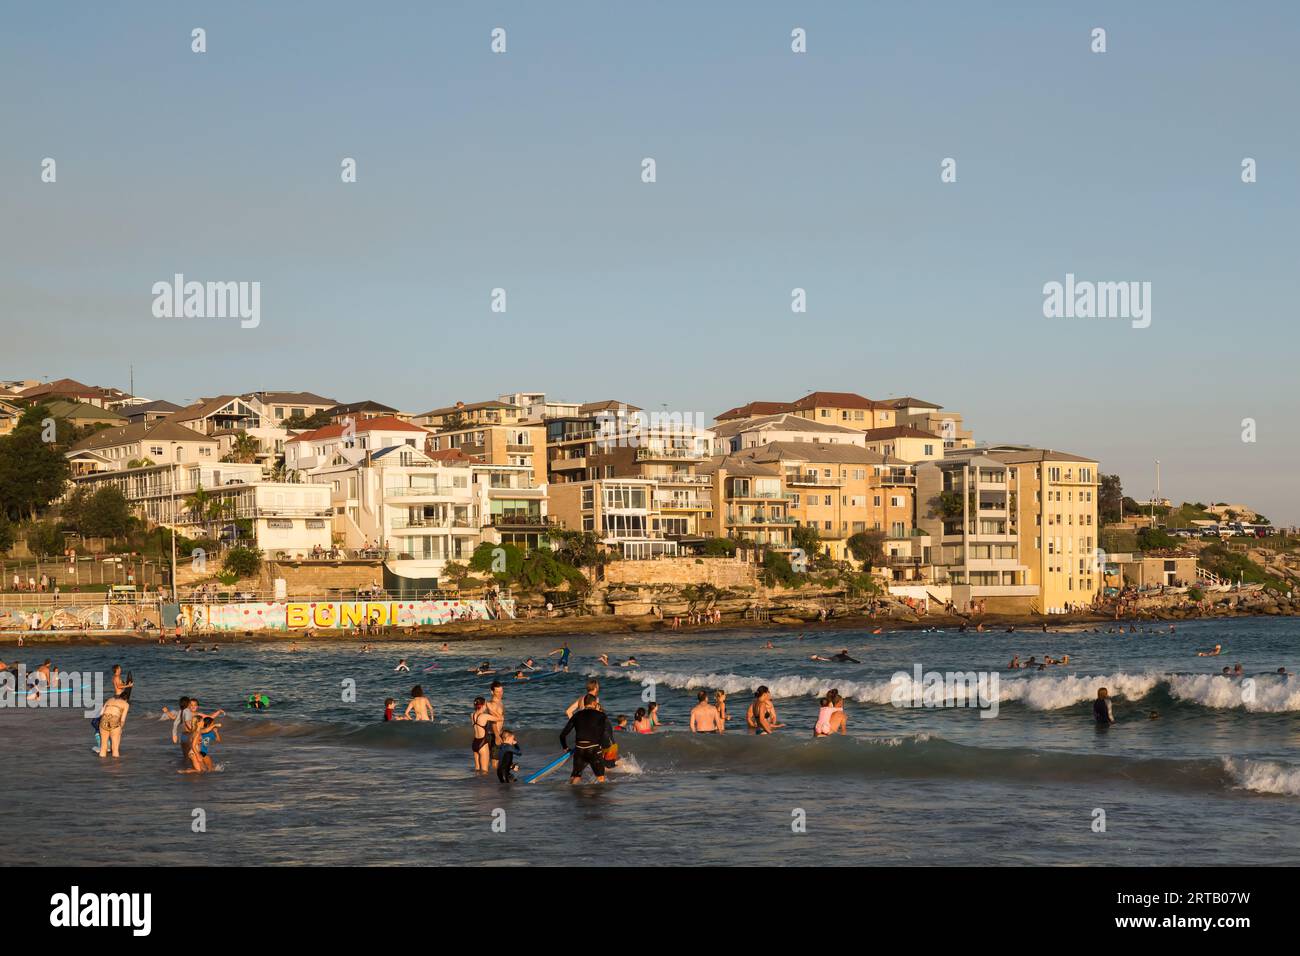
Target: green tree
581, 549
33, 469
1110, 496
946, 505
6, 533
867, 547
720, 548
806, 538
503, 561
1154, 539
777, 570
242, 562
44, 539
107, 514
297, 422
244, 449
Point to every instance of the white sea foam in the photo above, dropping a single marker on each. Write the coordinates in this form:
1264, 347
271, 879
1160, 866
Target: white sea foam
1037, 693
1268, 694
1264, 776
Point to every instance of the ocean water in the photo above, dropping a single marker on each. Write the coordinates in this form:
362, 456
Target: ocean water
1214, 780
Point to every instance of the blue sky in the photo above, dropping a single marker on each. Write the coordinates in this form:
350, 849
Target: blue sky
775, 171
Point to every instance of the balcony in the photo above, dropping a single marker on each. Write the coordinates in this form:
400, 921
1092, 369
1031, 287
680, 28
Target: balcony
669, 454
432, 523
428, 491
813, 478
761, 495
672, 503
701, 480
748, 521
517, 520
896, 479
567, 464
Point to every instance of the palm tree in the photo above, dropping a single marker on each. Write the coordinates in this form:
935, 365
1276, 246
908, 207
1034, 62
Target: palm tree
244, 449
198, 504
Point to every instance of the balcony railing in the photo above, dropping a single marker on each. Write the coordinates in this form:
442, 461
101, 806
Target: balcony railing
414, 492
645, 454
432, 523
703, 480
683, 504
812, 478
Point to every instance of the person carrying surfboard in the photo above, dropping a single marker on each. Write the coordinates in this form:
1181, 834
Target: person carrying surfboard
593, 736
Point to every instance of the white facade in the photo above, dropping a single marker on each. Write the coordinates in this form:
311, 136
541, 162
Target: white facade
288, 518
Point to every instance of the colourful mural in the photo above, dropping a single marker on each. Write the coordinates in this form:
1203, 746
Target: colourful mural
344, 615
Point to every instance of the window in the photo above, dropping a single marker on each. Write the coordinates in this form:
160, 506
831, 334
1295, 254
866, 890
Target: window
827, 500
929, 450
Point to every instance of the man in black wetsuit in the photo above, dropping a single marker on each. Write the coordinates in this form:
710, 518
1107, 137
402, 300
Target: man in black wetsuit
843, 658
593, 736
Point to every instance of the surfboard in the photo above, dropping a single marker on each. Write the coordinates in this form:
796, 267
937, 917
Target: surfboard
549, 768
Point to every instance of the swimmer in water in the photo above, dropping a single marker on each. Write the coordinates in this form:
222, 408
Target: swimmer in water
402, 667
1015, 662
1218, 648
520, 675
1101, 709
480, 745
483, 669
769, 646
604, 659
419, 704
630, 662
389, 711
841, 658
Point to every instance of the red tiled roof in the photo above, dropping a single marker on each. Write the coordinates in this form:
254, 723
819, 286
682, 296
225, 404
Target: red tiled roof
754, 409
381, 423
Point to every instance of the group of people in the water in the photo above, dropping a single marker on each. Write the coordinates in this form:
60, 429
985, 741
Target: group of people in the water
1033, 663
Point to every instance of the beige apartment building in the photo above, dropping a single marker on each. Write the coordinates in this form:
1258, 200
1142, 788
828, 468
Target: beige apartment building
621, 512
1058, 523
970, 507
905, 443
518, 443
750, 502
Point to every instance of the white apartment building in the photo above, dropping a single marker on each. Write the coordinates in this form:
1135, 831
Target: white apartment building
348, 443
208, 500
424, 513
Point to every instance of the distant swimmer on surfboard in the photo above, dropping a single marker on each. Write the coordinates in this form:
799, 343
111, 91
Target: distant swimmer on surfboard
563, 662
841, 658
402, 667
1218, 648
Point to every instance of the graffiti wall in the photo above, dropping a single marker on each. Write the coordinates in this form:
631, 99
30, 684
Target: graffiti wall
325, 615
